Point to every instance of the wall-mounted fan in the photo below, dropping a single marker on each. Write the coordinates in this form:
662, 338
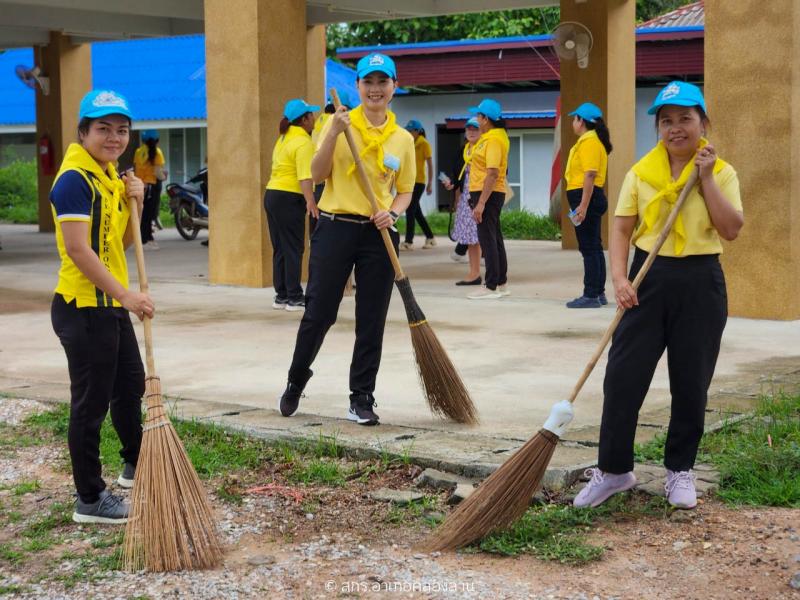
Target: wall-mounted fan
33, 78
573, 41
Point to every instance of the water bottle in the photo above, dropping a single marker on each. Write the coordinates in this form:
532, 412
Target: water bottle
573, 216
444, 178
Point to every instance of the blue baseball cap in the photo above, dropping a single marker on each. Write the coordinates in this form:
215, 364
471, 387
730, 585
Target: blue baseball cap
588, 112
472, 122
149, 134
488, 108
296, 108
100, 103
376, 62
678, 93
414, 125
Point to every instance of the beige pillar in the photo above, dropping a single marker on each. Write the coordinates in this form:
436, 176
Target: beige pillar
69, 68
610, 82
752, 88
255, 61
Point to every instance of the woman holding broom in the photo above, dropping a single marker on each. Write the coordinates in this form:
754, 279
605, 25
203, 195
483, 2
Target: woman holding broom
348, 234
91, 209
681, 305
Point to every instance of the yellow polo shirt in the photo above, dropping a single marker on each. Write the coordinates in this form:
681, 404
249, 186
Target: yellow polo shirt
143, 168
701, 236
422, 152
491, 152
318, 125
343, 193
291, 160
588, 154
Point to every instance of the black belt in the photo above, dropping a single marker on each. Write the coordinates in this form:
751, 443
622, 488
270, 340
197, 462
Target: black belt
357, 219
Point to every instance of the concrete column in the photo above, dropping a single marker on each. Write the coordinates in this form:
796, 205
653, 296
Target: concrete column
610, 82
255, 61
752, 88
69, 68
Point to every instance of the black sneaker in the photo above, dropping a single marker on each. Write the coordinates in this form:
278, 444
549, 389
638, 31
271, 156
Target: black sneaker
295, 305
279, 303
108, 509
125, 478
361, 409
290, 399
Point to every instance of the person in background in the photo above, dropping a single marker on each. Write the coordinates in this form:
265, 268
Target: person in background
585, 175
148, 165
289, 195
91, 208
423, 183
487, 192
682, 304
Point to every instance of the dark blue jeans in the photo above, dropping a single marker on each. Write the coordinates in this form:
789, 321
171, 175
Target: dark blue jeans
589, 241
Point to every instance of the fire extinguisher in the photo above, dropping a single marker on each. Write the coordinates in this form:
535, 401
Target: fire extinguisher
46, 156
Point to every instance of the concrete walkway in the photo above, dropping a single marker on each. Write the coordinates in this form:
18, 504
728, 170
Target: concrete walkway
223, 353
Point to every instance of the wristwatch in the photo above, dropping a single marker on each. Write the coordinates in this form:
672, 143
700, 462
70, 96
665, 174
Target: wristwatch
394, 215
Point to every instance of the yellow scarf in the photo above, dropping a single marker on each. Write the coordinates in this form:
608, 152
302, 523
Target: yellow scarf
78, 159
372, 137
654, 170
467, 154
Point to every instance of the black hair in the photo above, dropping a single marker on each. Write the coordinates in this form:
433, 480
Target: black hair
283, 126
601, 128
151, 150
421, 132
499, 123
330, 108
700, 112
86, 123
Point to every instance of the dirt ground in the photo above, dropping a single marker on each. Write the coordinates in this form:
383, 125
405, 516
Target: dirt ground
336, 542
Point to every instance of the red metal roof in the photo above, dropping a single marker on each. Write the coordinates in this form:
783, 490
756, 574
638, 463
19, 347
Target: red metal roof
690, 15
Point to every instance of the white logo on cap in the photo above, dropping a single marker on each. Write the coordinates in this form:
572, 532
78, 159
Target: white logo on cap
672, 90
109, 99
376, 61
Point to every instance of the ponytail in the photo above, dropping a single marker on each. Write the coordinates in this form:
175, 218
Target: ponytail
602, 132
151, 151
284, 125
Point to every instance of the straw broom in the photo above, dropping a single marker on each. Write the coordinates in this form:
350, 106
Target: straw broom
505, 495
171, 526
444, 390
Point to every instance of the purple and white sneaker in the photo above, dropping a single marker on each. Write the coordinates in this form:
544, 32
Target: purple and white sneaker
602, 486
680, 489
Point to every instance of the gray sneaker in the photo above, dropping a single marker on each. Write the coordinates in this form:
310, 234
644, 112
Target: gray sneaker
108, 509
125, 478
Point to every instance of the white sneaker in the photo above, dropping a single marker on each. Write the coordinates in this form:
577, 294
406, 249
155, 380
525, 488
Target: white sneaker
484, 293
503, 289
150, 246
458, 258
406, 246
429, 243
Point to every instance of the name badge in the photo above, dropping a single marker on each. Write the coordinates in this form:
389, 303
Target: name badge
391, 162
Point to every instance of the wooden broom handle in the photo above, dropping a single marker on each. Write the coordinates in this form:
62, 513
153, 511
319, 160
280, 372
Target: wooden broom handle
362, 175
636, 282
143, 285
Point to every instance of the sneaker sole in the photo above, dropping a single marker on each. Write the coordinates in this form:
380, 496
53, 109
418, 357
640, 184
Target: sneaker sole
295, 308
123, 482
598, 502
279, 306
360, 421
79, 518
487, 297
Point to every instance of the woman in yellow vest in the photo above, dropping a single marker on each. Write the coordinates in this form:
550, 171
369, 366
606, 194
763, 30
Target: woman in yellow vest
423, 157
586, 175
287, 199
681, 305
148, 165
91, 209
348, 234
487, 193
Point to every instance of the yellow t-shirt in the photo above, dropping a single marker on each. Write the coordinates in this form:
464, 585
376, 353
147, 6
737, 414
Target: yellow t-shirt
343, 193
701, 236
143, 168
318, 125
491, 152
83, 192
588, 154
291, 160
422, 152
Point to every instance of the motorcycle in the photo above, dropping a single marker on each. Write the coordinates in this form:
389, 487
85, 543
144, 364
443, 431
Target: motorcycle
189, 204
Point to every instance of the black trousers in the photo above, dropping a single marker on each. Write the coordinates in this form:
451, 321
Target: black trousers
312, 222
337, 247
414, 215
286, 214
590, 242
150, 209
105, 369
490, 238
682, 308
461, 249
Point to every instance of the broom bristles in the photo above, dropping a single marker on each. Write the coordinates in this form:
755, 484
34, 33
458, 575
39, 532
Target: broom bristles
171, 525
501, 499
445, 392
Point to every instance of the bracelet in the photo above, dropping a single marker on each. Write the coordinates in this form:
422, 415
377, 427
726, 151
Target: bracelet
394, 215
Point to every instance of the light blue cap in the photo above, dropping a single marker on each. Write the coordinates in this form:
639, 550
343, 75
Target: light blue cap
472, 122
99, 103
376, 62
588, 112
678, 93
414, 125
488, 108
296, 108
149, 134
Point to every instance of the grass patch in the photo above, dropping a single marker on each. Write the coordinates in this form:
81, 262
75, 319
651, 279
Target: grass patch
60, 513
515, 224
11, 589
9, 554
318, 470
26, 487
19, 200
